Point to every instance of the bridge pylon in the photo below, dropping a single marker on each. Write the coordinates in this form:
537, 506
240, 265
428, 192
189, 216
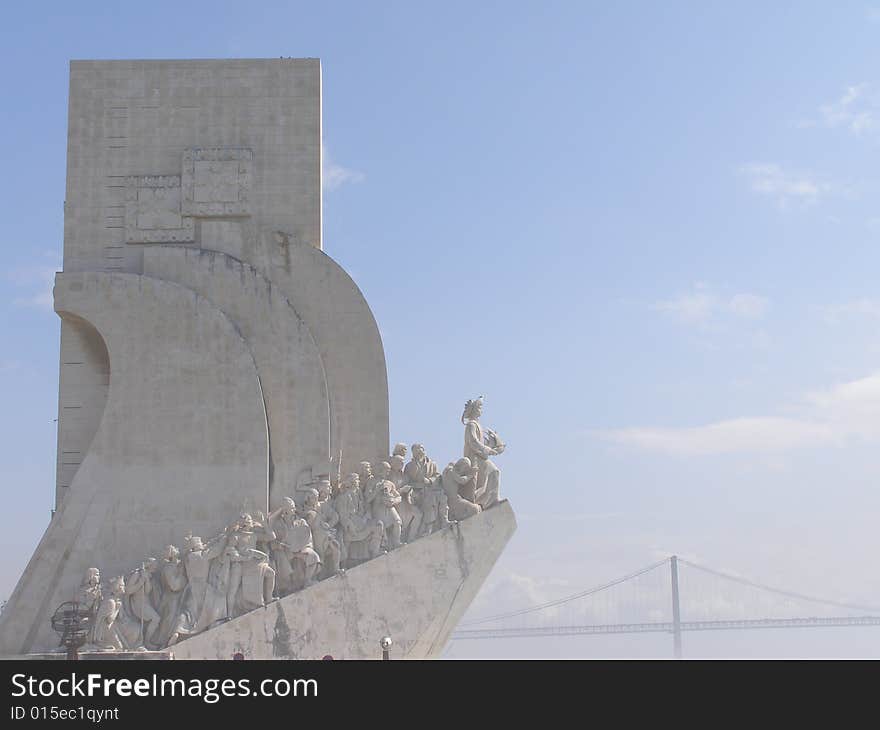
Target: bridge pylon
676, 608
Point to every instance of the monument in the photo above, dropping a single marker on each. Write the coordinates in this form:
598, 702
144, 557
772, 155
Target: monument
222, 382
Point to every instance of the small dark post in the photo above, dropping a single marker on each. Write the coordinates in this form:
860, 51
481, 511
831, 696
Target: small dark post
386, 648
676, 608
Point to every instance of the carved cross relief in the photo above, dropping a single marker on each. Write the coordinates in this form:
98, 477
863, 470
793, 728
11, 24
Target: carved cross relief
215, 182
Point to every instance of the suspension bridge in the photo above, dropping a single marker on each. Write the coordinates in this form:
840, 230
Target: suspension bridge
671, 596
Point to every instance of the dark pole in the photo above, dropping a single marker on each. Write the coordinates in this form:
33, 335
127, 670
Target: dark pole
386, 648
676, 609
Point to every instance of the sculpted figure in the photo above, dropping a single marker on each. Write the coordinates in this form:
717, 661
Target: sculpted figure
217, 600
172, 580
295, 558
479, 445
88, 595
366, 480
252, 580
322, 518
410, 514
105, 636
384, 505
459, 483
126, 627
200, 605
197, 564
362, 534
140, 589
424, 479
399, 450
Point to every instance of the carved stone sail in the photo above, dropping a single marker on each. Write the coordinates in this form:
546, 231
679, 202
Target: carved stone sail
213, 360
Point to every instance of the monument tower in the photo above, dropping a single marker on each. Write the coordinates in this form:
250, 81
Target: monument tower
214, 359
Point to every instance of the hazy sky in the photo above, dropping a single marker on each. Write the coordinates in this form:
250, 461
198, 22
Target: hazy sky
647, 233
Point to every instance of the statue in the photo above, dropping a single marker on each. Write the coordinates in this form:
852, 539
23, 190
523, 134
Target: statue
322, 518
385, 499
172, 580
362, 535
295, 558
479, 445
105, 636
410, 514
200, 604
166, 600
365, 479
399, 450
88, 595
459, 484
126, 627
197, 563
140, 589
423, 478
251, 580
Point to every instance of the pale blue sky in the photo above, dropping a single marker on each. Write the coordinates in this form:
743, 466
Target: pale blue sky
647, 232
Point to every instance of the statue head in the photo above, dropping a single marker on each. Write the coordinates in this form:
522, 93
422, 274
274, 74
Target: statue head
117, 586
418, 452
150, 565
397, 463
365, 471
462, 466
383, 469
325, 489
399, 450
245, 521
311, 498
171, 553
92, 577
288, 507
473, 409
194, 543
351, 481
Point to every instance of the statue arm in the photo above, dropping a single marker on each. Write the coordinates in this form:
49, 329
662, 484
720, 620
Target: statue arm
135, 581
474, 443
215, 548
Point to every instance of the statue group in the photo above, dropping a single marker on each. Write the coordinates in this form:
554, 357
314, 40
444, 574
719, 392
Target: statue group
323, 529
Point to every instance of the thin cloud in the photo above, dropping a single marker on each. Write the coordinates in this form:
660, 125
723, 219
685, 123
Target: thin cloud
857, 308
842, 414
854, 110
725, 437
702, 306
785, 187
335, 175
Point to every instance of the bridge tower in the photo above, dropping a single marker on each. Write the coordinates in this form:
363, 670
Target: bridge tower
676, 608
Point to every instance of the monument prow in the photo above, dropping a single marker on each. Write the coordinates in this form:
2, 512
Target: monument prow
415, 595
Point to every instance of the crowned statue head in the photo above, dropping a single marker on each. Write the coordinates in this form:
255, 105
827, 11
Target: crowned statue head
473, 409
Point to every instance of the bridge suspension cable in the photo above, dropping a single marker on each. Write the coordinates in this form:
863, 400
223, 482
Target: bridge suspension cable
782, 592
567, 599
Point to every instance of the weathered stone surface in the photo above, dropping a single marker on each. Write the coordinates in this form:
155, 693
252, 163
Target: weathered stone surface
415, 594
138, 129
288, 361
182, 438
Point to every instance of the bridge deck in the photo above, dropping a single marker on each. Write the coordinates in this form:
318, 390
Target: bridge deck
667, 627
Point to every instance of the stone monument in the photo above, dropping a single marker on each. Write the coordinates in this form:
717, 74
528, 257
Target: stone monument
222, 381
